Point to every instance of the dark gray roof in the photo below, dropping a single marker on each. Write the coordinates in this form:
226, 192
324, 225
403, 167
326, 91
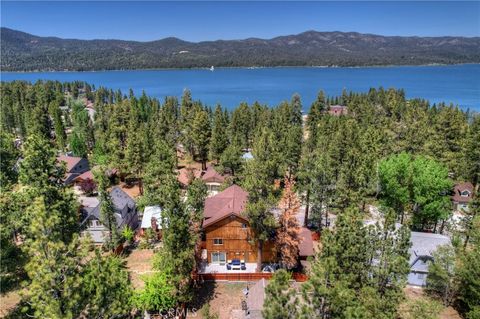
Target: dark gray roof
120, 199
424, 244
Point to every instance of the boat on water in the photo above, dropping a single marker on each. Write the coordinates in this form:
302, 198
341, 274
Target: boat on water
212, 68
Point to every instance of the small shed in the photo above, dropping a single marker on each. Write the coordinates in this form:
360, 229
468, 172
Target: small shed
149, 213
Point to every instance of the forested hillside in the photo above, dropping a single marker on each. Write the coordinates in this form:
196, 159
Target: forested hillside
403, 155
25, 52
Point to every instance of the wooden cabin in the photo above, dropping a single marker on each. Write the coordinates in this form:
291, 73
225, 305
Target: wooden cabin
227, 234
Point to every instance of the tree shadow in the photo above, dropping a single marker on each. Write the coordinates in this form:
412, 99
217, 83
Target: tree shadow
204, 293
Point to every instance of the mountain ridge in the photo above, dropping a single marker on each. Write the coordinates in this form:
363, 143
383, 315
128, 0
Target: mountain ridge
22, 51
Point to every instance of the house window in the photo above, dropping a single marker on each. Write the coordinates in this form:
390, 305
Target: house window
93, 223
219, 258
244, 226
465, 193
421, 276
218, 241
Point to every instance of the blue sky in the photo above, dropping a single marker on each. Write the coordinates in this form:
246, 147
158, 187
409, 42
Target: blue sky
196, 21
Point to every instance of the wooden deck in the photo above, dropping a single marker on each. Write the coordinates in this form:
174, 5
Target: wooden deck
299, 277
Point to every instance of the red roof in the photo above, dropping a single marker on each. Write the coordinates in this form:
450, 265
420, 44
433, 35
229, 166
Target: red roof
306, 245
457, 192
212, 176
71, 161
231, 201
184, 175
337, 110
84, 176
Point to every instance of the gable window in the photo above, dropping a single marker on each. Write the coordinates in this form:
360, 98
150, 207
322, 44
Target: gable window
465, 193
218, 241
94, 223
244, 226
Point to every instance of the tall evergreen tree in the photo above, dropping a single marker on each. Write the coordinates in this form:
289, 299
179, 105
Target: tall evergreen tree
106, 282
179, 241
54, 267
231, 159
314, 115
107, 211
137, 153
280, 301
9, 156
219, 139
288, 239
353, 274
201, 136
472, 152
262, 222
159, 172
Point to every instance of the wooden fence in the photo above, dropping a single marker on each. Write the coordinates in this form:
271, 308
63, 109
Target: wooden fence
245, 276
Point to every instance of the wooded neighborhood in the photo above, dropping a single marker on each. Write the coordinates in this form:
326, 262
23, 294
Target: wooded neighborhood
330, 210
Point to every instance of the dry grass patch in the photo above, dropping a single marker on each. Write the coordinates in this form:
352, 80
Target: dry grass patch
9, 301
418, 305
139, 263
223, 297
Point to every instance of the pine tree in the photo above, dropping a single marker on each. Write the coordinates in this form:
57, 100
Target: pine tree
41, 175
219, 139
136, 153
472, 152
441, 279
106, 282
288, 233
187, 115
179, 241
201, 136
469, 275
195, 201
159, 172
60, 136
54, 267
9, 156
240, 128
231, 159
262, 223
280, 302
261, 171
314, 115
107, 211
360, 272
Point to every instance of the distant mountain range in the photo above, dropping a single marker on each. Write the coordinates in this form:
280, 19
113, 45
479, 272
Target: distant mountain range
21, 51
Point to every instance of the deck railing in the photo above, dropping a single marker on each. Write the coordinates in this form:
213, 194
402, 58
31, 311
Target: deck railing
245, 276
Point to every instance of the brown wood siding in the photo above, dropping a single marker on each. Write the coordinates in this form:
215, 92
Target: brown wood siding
236, 242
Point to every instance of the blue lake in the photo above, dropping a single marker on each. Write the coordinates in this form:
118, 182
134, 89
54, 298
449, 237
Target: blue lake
458, 84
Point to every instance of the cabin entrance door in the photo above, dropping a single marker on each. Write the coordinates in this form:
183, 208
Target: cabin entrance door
219, 258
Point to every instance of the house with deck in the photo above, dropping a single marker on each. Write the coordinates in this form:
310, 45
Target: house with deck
75, 166
228, 241
125, 214
226, 231
421, 255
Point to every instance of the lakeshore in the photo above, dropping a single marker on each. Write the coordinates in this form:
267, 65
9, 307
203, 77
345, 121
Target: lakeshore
457, 84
